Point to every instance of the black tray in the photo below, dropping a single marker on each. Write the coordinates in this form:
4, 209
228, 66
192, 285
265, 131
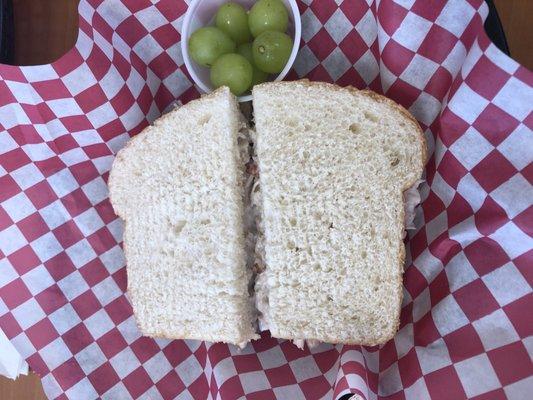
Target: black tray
494, 28
6, 32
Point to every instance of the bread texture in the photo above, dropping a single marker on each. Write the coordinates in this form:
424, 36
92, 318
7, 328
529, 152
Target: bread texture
178, 186
333, 165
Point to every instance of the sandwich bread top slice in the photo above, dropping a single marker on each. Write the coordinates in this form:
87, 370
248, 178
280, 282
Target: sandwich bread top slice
178, 186
333, 166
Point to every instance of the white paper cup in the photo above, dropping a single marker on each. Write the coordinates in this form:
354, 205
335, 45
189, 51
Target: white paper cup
201, 13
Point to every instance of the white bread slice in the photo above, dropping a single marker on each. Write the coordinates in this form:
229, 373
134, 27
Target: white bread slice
179, 187
333, 165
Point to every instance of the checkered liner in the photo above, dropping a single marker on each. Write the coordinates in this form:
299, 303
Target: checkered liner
466, 327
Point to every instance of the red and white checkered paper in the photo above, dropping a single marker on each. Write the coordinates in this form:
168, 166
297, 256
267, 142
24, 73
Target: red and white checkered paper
466, 324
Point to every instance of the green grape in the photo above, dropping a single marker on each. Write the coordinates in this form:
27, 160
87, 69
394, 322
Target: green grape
234, 71
209, 43
271, 51
268, 15
231, 18
245, 50
258, 76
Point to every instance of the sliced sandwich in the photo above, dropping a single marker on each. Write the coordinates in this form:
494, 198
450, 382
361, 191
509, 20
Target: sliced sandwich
319, 232
333, 166
179, 187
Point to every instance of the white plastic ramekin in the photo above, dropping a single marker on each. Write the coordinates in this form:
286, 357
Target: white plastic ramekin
201, 13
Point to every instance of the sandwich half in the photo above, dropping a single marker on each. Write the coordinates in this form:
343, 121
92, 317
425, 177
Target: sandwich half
179, 187
333, 166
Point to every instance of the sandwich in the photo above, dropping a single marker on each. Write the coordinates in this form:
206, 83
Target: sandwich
295, 226
333, 164
179, 187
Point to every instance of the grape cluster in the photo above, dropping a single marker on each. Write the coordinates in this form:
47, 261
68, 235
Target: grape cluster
243, 48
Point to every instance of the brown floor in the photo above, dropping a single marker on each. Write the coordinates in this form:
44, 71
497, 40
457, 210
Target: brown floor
50, 24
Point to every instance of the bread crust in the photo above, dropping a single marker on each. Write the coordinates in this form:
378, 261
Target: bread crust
119, 158
420, 167
375, 96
